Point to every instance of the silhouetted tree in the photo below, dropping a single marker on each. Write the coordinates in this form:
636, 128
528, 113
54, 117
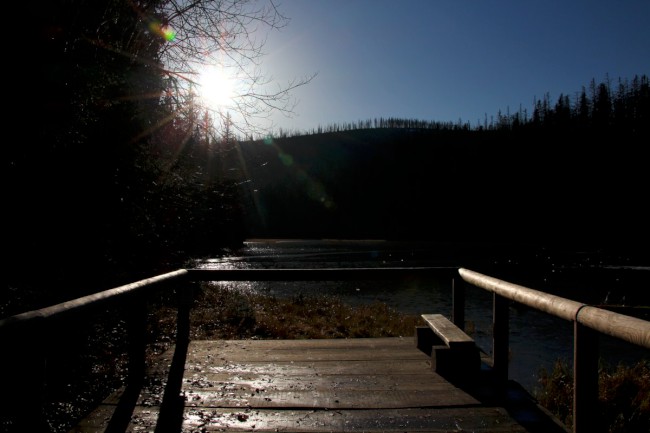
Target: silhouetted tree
602, 107
117, 142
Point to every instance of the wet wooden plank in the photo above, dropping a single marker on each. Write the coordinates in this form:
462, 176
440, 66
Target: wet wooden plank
370, 381
444, 396
386, 343
338, 349
411, 420
475, 419
288, 394
310, 367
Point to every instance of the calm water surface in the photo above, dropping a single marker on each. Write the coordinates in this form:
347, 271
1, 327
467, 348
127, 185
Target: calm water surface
537, 339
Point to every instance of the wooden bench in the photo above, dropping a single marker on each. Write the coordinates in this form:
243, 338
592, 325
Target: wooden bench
454, 354
449, 333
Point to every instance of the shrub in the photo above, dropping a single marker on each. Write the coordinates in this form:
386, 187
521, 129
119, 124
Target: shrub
624, 395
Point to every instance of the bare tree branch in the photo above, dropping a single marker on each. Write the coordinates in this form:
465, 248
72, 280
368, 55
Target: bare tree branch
231, 34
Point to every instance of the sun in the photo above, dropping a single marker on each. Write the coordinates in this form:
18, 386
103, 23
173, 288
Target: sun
216, 87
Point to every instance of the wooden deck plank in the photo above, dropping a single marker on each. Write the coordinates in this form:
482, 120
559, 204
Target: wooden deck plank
368, 382
386, 343
338, 349
476, 419
445, 396
311, 367
383, 384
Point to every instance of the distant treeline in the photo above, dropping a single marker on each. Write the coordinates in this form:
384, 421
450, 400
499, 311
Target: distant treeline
623, 105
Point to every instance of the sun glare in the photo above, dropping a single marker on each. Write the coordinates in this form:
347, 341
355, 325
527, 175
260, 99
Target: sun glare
216, 87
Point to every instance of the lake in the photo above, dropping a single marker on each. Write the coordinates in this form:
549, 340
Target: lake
537, 339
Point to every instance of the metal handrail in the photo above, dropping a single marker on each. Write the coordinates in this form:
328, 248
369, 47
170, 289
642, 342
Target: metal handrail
588, 322
93, 300
626, 328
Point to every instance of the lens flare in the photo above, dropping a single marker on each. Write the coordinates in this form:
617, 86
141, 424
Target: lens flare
164, 31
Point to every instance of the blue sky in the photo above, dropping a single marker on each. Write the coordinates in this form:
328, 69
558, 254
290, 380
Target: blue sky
448, 60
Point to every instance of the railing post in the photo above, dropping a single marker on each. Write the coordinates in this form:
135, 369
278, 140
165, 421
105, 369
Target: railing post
500, 337
458, 302
585, 379
185, 299
172, 405
137, 333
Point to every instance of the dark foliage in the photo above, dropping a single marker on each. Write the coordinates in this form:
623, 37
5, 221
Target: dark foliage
109, 181
624, 397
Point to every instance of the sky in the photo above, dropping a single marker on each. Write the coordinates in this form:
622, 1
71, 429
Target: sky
448, 60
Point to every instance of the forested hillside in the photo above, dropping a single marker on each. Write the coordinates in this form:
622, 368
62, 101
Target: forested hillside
571, 173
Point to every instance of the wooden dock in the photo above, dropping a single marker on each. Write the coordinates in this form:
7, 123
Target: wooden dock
329, 385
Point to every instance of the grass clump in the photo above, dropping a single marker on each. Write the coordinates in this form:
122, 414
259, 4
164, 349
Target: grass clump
222, 313
623, 400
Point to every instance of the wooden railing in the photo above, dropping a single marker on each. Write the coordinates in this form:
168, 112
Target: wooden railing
25, 337
588, 322
28, 339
